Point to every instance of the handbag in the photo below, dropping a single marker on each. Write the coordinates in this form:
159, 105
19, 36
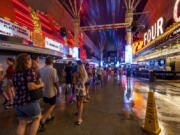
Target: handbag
37, 93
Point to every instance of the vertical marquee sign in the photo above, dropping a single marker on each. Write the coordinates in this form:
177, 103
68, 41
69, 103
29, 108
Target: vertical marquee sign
37, 36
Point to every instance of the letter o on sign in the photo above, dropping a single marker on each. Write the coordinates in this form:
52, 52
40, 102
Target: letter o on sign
176, 17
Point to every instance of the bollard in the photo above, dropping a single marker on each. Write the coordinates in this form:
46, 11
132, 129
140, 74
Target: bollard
151, 120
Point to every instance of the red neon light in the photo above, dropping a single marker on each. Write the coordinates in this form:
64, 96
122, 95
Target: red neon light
43, 18
23, 15
53, 37
47, 27
23, 22
56, 27
21, 5
24, 25
48, 35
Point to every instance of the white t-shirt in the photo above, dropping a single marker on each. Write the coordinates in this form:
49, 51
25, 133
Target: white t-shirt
49, 77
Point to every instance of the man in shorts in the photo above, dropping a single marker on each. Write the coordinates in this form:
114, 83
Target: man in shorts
51, 90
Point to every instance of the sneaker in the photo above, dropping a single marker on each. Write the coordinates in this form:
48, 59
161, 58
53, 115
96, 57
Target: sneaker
8, 106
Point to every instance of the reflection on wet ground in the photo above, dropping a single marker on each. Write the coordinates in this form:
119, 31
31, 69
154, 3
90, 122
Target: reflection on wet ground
117, 108
167, 101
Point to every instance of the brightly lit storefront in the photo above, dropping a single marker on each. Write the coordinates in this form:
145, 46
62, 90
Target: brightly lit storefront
159, 49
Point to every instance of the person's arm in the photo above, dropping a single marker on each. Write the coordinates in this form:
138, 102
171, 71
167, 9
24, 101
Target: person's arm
31, 79
34, 86
56, 85
56, 80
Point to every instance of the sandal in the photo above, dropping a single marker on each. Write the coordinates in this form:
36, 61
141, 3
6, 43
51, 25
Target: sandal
50, 119
79, 122
86, 101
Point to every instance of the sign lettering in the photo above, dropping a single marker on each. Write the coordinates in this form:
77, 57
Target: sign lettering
155, 31
11, 29
137, 45
54, 45
175, 13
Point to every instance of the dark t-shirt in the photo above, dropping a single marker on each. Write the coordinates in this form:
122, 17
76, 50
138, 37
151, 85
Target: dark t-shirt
68, 71
128, 72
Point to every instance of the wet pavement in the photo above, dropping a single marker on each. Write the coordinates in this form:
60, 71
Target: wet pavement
118, 108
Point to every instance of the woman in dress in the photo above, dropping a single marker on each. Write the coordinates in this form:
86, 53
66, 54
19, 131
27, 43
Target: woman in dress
80, 91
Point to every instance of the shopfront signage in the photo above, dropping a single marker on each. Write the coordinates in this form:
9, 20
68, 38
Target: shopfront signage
11, 29
177, 31
137, 46
176, 10
54, 45
38, 39
75, 53
155, 31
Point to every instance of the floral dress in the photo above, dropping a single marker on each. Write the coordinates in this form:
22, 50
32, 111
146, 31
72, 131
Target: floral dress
80, 87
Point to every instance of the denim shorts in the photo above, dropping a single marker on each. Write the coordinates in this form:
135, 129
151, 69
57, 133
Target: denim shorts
29, 111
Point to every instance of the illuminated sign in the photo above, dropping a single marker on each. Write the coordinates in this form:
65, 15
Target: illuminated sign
38, 39
54, 45
155, 31
128, 54
36, 22
75, 53
175, 13
137, 46
177, 31
11, 29
70, 51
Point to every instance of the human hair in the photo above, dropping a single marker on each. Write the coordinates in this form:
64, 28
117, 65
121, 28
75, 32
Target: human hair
11, 60
49, 60
82, 72
70, 63
21, 62
34, 57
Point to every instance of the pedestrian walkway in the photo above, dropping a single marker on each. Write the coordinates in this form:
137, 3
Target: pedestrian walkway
105, 114
109, 111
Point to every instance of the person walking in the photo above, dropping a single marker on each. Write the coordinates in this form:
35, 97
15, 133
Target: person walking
51, 90
69, 79
24, 81
80, 91
35, 63
7, 86
88, 83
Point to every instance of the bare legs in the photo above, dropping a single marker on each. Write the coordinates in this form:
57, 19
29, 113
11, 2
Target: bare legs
35, 125
23, 125
48, 112
80, 107
87, 92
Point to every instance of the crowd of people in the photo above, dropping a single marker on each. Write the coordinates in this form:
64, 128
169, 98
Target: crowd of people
25, 86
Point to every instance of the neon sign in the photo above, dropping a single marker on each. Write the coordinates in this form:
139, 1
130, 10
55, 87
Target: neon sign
137, 46
155, 31
175, 13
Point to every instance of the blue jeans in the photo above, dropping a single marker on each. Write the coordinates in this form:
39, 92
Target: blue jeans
30, 110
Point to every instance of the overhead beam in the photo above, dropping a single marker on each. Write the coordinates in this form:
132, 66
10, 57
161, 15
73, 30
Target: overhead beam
106, 26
